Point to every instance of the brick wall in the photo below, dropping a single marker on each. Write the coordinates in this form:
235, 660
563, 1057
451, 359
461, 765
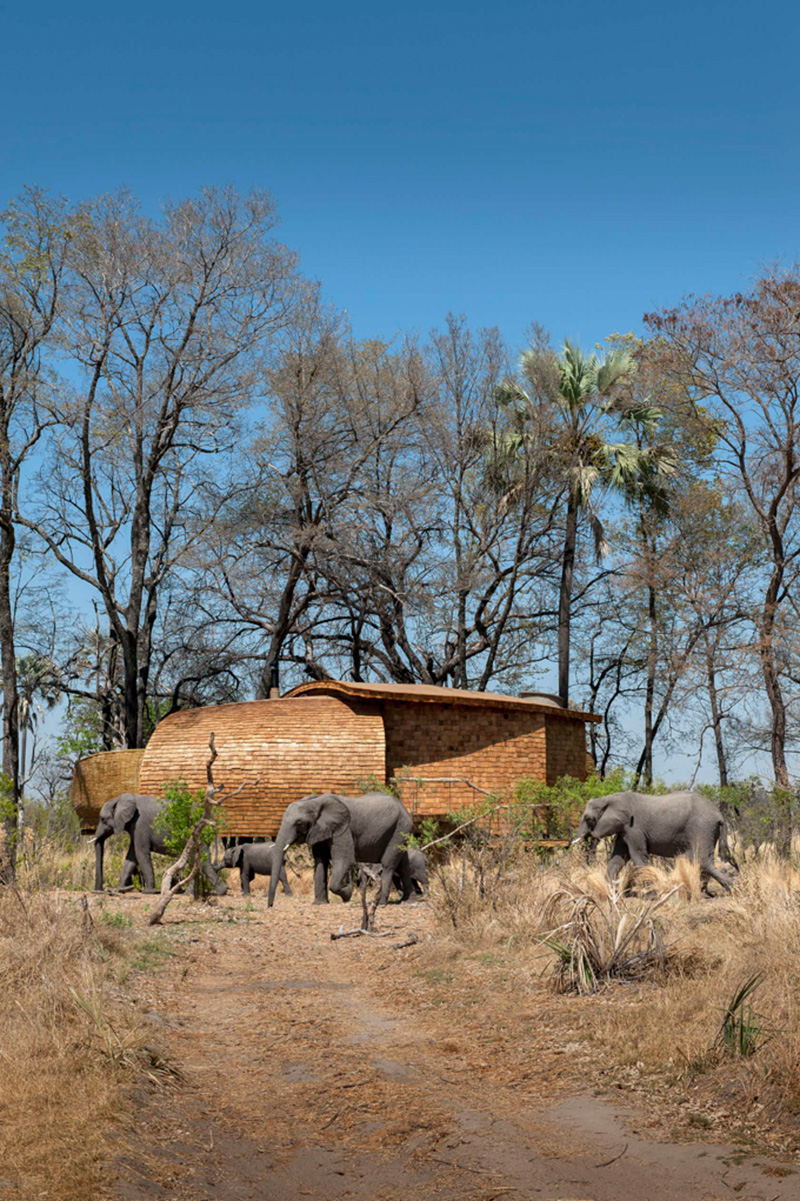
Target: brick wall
491, 747
566, 749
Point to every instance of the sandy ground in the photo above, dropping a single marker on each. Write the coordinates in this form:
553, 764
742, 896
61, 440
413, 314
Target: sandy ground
352, 1069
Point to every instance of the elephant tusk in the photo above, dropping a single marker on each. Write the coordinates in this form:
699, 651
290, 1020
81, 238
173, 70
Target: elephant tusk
578, 839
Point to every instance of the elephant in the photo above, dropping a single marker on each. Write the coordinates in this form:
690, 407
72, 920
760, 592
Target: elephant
677, 823
138, 815
418, 868
341, 832
253, 859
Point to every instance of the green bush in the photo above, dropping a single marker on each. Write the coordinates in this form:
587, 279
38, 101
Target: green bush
545, 811
182, 811
756, 815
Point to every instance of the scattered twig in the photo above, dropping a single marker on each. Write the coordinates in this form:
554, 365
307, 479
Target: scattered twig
330, 1121
461, 1166
367, 933
408, 941
606, 1162
88, 924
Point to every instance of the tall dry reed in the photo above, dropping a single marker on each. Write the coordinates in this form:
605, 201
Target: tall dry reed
69, 1048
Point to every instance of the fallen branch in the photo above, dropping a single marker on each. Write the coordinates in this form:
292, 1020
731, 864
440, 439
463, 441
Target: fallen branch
408, 941
368, 933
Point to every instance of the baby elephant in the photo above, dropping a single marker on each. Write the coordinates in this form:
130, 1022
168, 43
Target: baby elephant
418, 866
254, 859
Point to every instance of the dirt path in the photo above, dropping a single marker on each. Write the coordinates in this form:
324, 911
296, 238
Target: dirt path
323, 1069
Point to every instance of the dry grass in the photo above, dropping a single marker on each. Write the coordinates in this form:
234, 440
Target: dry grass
671, 959
70, 1047
45, 864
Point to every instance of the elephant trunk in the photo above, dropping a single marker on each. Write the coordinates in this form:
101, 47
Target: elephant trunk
583, 832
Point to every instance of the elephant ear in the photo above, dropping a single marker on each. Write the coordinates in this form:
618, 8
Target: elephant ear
332, 820
124, 810
237, 857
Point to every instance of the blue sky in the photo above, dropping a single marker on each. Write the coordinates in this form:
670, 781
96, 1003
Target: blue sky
569, 164
574, 165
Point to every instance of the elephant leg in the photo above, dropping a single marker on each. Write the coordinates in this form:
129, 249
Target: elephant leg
637, 848
246, 874
340, 869
284, 879
148, 875
707, 866
321, 860
400, 867
129, 868
219, 886
619, 857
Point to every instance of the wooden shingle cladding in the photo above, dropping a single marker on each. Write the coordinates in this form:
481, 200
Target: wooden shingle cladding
439, 738
292, 747
98, 778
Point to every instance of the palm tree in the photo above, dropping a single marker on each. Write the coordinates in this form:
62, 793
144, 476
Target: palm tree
582, 392
38, 687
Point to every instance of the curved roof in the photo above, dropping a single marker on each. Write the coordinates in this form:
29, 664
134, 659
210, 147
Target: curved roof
431, 694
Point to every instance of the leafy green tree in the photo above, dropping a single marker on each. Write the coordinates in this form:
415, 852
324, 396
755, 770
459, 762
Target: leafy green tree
588, 399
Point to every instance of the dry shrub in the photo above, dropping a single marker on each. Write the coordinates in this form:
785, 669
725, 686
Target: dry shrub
598, 941
662, 1024
69, 1047
50, 863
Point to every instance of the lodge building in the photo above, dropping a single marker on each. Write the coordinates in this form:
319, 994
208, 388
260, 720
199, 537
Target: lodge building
444, 748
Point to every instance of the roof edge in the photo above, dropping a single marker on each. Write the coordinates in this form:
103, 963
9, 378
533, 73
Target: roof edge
432, 694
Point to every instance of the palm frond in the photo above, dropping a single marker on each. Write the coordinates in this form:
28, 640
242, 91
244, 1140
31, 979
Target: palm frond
615, 367
578, 374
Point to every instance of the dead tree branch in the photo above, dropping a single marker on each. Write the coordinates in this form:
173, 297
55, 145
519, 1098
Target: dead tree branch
193, 851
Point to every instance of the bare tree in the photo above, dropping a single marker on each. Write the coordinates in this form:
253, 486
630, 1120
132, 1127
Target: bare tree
32, 259
163, 321
435, 573
738, 360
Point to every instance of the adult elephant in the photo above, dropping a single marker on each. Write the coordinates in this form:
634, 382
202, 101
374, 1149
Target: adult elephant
341, 832
138, 815
677, 823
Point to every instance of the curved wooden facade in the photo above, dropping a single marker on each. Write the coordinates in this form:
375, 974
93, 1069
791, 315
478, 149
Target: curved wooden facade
98, 778
442, 747
292, 747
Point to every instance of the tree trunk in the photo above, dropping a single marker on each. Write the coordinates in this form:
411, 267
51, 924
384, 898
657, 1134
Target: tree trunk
565, 600
772, 682
716, 716
645, 765
9, 794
